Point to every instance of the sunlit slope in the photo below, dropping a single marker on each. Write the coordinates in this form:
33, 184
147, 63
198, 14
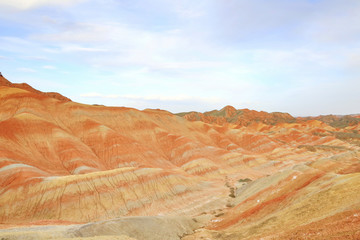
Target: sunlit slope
306, 201
129, 160
63, 162
27, 87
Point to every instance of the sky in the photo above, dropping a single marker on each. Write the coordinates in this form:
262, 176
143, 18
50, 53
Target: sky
295, 56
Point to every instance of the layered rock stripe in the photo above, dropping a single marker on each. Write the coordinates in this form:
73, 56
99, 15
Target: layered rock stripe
63, 162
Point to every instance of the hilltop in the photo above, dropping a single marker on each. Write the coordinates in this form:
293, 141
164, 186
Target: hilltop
27, 87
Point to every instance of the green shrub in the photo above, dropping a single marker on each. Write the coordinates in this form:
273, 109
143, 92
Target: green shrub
244, 180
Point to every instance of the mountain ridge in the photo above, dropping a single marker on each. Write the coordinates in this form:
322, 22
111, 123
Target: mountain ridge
245, 117
25, 86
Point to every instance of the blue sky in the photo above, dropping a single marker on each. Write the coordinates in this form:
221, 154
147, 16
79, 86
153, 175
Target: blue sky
296, 56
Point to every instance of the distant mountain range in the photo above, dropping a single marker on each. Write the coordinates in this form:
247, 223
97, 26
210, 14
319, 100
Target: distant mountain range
246, 117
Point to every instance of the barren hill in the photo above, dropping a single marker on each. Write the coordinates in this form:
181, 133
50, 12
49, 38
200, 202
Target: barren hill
341, 121
240, 117
25, 86
121, 173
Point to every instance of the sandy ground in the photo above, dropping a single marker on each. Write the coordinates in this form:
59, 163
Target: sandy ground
126, 228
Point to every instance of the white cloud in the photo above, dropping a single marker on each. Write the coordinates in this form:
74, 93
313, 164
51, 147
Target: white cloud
91, 94
293, 60
15, 44
175, 103
98, 95
76, 48
37, 58
29, 4
118, 45
352, 62
49, 67
77, 32
189, 9
338, 22
147, 98
178, 98
26, 70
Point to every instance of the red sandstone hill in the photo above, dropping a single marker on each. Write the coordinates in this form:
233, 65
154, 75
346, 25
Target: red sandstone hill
25, 86
267, 177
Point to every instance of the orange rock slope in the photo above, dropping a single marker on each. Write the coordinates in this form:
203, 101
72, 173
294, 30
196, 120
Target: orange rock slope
63, 162
25, 86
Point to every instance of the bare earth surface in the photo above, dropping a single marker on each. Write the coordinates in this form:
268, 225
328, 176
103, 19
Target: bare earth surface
75, 171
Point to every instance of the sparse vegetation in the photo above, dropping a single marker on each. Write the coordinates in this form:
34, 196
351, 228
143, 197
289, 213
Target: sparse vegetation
244, 180
232, 192
321, 134
313, 148
346, 135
